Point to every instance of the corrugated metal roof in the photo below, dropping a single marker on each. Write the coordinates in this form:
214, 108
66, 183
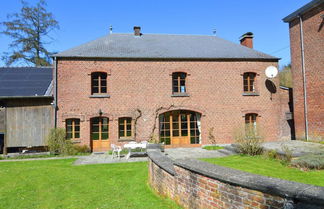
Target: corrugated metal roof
303, 10
24, 81
163, 46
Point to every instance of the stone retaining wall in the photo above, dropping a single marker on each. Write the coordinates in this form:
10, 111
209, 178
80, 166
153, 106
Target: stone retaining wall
196, 184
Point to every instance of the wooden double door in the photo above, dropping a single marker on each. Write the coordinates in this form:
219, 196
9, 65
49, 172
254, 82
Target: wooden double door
180, 128
100, 134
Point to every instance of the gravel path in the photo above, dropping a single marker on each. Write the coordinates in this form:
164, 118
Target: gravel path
298, 148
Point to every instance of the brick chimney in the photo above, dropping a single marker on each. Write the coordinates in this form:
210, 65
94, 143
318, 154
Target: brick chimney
247, 40
137, 31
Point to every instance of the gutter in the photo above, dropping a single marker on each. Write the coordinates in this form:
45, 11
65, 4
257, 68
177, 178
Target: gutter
25, 97
302, 51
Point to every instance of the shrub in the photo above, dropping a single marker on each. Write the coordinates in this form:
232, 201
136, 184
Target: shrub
58, 144
311, 161
82, 148
248, 141
271, 154
287, 153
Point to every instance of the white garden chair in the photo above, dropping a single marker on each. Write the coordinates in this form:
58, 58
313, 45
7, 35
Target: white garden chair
115, 151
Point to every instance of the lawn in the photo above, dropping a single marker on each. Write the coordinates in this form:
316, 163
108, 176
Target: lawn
269, 167
59, 184
212, 147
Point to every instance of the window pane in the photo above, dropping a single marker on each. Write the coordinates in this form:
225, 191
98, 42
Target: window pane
77, 135
104, 136
184, 132
69, 122
103, 90
95, 128
69, 135
68, 128
95, 136
175, 125
77, 128
129, 127
175, 133
129, 133
121, 133
167, 125
167, 133
95, 90
121, 127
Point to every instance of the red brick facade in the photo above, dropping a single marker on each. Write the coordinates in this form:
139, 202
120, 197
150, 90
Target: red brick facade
313, 32
142, 90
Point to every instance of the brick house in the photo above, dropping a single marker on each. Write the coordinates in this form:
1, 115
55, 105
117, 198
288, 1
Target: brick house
306, 28
177, 89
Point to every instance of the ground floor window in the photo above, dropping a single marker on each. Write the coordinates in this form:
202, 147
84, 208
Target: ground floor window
72, 128
125, 127
180, 127
99, 128
251, 123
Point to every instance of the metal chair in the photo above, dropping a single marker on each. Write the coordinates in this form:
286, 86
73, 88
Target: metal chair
115, 151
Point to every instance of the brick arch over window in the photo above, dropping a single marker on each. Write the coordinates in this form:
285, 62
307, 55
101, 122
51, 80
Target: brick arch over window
249, 82
72, 127
179, 80
98, 83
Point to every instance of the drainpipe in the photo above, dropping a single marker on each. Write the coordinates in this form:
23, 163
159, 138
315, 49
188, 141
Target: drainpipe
5, 144
55, 92
304, 75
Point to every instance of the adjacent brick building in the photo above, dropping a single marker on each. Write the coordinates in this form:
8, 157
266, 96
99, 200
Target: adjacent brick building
306, 27
124, 87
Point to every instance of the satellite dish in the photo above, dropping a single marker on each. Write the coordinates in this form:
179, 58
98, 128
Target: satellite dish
271, 71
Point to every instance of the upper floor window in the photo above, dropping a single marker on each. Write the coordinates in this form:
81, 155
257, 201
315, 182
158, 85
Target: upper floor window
251, 123
249, 82
98, 83
179, 82
72, 128
125, 127
99, 128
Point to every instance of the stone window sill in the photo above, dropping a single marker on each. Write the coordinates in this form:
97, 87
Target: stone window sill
250, 94
75, 141
180, 95
99, 96
125, 139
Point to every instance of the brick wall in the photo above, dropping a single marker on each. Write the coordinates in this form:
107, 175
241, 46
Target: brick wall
196, 184
314, 61
215, 89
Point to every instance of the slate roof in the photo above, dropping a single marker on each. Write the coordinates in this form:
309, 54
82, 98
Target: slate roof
25, 81
303, 10
163, 46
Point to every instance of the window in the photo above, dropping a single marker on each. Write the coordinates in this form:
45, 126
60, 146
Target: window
99, 128
125, 127
98, 83
179, 82
249, 82
251, 123
72, 128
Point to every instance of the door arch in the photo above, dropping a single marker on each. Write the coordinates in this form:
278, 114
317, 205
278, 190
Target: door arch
180, 128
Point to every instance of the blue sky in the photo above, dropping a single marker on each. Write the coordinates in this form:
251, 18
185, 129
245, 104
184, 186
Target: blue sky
85, 20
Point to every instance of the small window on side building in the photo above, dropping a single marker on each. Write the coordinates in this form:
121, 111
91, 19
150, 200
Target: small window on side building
72, 128
179, 83
249, 82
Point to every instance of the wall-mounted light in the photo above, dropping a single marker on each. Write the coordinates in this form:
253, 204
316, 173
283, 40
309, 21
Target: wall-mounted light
100, 112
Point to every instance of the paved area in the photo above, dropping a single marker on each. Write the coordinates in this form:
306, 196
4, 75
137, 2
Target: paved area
102, 158
298, 148
194, 153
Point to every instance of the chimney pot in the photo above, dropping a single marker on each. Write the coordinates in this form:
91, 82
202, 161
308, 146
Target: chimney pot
247, 40
137, 31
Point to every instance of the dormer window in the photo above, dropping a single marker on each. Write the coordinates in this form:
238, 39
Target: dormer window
249, 82
179, 83
98, 83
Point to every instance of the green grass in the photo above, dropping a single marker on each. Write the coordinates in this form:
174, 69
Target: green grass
58, 184
269, 167
213, 147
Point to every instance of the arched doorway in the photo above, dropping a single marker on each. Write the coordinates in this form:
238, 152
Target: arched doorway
180, 128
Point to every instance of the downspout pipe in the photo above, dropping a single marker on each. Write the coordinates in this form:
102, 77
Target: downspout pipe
304, 74
55, 92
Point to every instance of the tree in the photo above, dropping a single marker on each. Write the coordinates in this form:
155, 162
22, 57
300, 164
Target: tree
286, 76
29, 30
